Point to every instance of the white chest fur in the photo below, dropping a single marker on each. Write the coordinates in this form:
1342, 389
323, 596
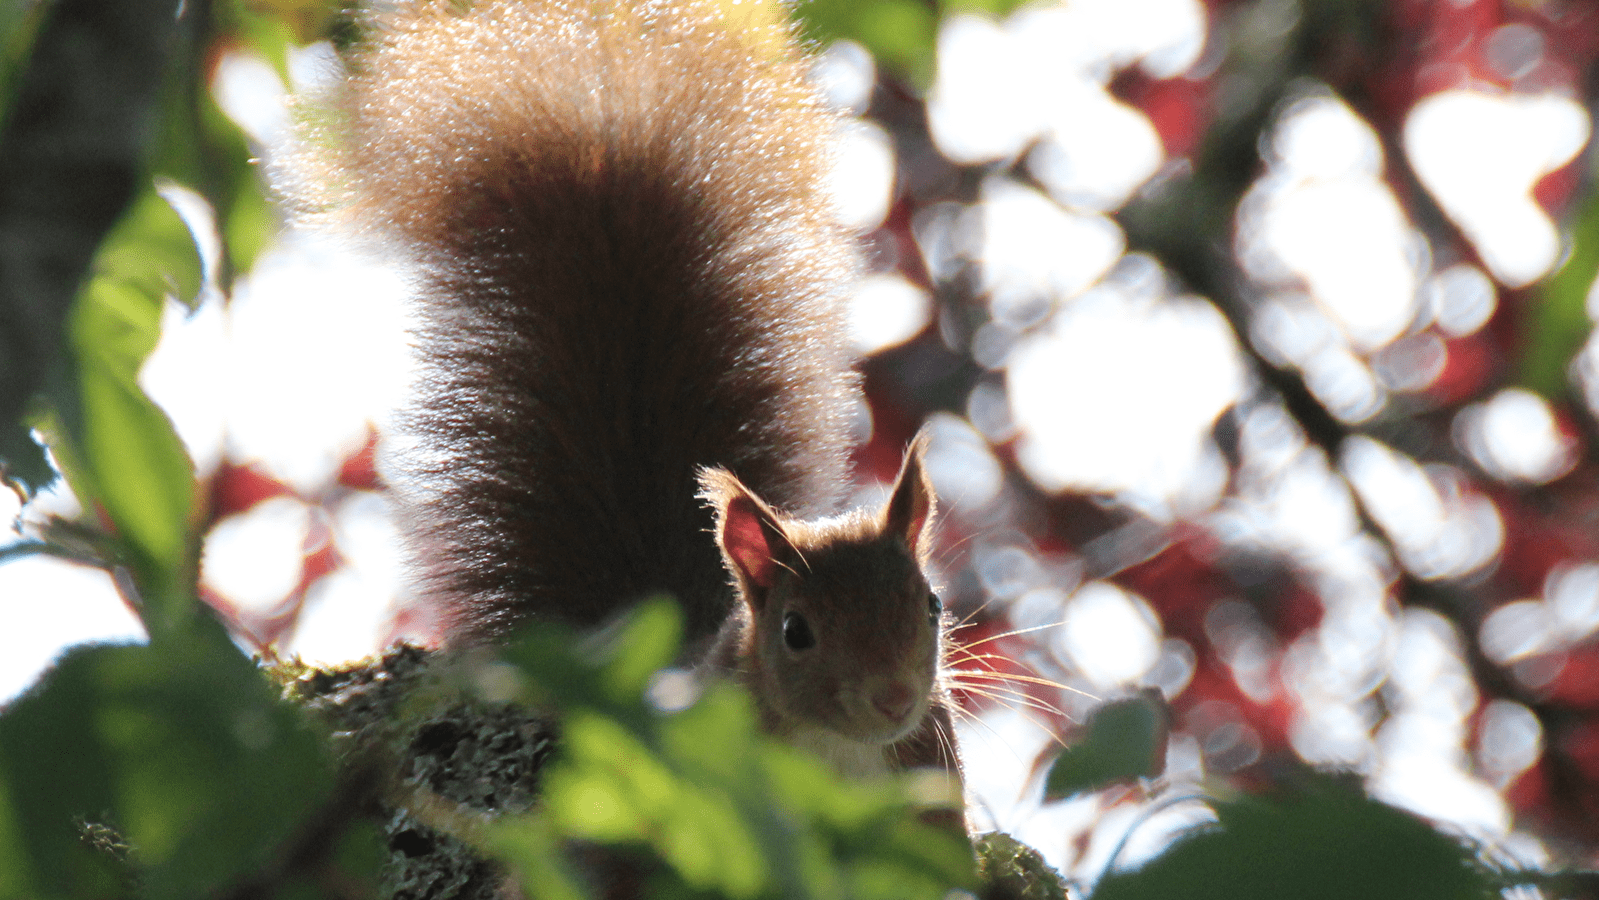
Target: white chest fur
850, 758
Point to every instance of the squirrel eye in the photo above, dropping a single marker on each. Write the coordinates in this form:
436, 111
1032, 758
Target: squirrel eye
797, 632
935, 607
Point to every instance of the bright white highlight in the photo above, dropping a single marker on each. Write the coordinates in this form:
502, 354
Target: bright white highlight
1460, 299
1567, 615
49, 605
1097, 151
1438, 528
350, 612
254, 558
1514, 437
1119, 394
1433, 695
1093, 39
1345, 238
249, 91
975, 110
886, 311
1032, 248
965, 474
862, 178
1042, 77
192, 342
1510, 740
1479, 154
311, 353
1110, 635
846, 74
1323, 217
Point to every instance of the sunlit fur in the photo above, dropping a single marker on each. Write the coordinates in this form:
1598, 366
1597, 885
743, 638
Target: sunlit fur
629, 275
628, 272
858, 580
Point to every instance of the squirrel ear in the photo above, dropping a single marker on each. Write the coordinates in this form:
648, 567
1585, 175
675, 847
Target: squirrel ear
910, 506
747, 531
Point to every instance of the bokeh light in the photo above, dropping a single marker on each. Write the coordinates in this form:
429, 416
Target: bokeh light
1316, 501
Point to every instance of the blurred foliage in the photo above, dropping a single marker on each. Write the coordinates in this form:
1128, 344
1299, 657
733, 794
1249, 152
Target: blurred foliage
1324, 840
1558, 322
177, 752
125, 455
113, 97
899, 33
74, 146
1123, 740
175, 770
19, 23
729, 811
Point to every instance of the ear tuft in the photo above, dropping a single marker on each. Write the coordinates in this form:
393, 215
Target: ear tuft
910, 507
747, 531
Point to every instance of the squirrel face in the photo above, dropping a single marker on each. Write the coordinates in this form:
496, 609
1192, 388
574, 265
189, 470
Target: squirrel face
851, 643
841, 635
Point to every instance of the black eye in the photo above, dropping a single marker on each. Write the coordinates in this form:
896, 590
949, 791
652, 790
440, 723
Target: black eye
935, 608
797, 632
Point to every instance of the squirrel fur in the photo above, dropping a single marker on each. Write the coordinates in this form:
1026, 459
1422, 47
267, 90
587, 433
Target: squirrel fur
633, 347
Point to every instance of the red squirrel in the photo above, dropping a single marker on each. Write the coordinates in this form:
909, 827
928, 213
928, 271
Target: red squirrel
634, 350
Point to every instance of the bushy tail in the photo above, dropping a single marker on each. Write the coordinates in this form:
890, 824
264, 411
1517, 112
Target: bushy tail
630, 271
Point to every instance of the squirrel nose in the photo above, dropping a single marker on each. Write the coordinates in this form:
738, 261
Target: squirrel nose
894, 700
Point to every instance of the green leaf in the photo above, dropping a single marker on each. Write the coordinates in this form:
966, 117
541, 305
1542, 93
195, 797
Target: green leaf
1124, 740
74, 140
1558, 321
181, 749
1326, 842
203, 149
250, 224
16, 875
992, 7
19, 25
714, 735
130, 463
647, 643
724, 807
22, 461
611, 788
274, 28
899, 33
54, 774
531, 848
607, 672
928, 858
140, 474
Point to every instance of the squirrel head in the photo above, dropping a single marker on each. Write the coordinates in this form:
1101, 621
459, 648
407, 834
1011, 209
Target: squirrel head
841, 631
